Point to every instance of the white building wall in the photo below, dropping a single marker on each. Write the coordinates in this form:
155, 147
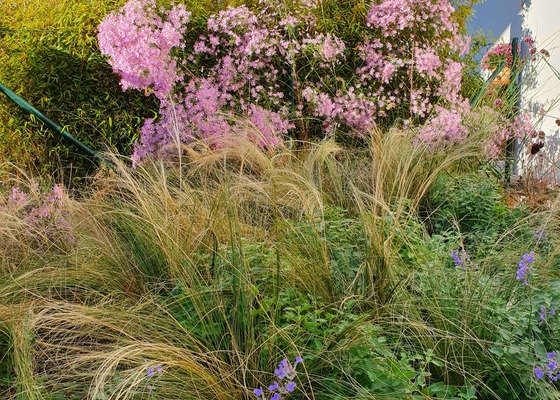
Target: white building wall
501, 20
541, 88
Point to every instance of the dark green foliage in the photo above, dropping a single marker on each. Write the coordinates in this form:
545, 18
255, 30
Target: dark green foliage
5, 362
473, 205
49, 56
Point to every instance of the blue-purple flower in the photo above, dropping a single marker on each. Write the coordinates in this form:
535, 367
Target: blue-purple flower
551, 369
544, 313
285, 373
539, 373
523, 267
290, 386
152, 371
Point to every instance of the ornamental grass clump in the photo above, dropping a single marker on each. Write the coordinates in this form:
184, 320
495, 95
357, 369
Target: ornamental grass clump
212, 267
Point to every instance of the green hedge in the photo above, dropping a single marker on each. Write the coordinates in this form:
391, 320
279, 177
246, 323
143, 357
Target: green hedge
49, 55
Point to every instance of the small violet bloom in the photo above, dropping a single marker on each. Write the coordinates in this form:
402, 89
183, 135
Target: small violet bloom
459, 258
523, 267
551, 369
456, 259
280, 373
544, 313
539, 373
151, 371
285, 373
290, 386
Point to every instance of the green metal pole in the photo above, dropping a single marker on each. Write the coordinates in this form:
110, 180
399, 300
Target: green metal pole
24, 105
515, 94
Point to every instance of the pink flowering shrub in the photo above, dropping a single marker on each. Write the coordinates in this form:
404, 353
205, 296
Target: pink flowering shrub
46, 218
278, 70
407, 65
139, 40
520, 128
446, 125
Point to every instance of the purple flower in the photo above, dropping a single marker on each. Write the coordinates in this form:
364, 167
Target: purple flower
539, 373
276, 396
456, 259
151, 371
523, 267
280, 373
258, 392
550, 369
290, 386
274, 386
298, 360
542, 313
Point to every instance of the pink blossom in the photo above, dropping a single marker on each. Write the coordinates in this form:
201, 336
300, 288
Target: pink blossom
427, 61
520, 128
139, 41
17, 198
445, 127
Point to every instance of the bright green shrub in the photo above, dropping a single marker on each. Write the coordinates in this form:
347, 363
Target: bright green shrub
471, 204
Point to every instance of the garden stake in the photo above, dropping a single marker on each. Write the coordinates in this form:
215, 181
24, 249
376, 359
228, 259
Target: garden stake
515, 87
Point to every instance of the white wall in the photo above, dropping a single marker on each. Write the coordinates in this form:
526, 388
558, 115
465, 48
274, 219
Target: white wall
503, 19
499, 20
541, 88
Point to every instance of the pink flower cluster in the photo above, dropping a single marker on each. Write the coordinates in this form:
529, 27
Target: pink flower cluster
236, 68
139, 40
445, 127
500, 52
520, 128
408, 64
47, 215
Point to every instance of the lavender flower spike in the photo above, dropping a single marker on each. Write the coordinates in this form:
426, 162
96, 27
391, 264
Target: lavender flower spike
523, 267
